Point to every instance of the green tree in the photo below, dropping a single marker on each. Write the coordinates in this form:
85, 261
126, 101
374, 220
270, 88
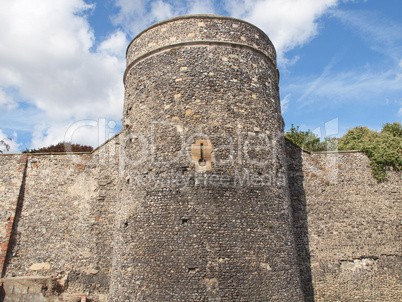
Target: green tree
329, 144
394, 129
384, 148
61, 147
304, 139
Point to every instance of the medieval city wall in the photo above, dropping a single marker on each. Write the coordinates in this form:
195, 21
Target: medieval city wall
11, 188
349, 225
199, 198
65, 229
346, 224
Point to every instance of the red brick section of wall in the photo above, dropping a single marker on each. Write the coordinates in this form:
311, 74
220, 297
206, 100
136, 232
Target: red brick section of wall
13, 208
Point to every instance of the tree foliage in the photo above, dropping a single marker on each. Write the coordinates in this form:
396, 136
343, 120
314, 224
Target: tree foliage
395, 129
61, 147
310, 141
304, 139
384, 148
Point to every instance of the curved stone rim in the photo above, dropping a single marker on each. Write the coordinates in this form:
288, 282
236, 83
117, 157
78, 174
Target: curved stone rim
194, 16
200, 43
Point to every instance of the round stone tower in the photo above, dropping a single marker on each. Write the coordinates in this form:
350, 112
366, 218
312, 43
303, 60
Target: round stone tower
204, 211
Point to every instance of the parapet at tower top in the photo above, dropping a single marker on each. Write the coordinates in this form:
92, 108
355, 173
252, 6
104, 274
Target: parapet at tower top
196, 30
196, 16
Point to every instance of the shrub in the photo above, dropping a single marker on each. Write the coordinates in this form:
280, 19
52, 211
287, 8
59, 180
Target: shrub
384, 149
62, 148
310, 141
304, 139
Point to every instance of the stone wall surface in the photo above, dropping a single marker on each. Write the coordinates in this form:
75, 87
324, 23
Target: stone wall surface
294, 157
199, 198
354, 228
11, 180
346, 226
66, 227
218, 231
196, 28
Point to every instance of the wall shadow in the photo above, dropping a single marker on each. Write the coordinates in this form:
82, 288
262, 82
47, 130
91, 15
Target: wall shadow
14, 230
294, 157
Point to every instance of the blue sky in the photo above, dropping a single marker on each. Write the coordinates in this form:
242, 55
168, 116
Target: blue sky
62, 62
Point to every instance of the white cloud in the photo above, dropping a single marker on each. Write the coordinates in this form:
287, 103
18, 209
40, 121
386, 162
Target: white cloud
114, 44
201, 7
46, 55
383, 34
370, 86
6, 102
86, 132
288, 23
285, 103
356, 85
135, 16
161, 10
11, 142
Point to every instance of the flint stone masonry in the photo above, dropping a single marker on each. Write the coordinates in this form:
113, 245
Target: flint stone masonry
354, 229
200, 241
141, 218
66, 227
347, 226
11, 179
187, 29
